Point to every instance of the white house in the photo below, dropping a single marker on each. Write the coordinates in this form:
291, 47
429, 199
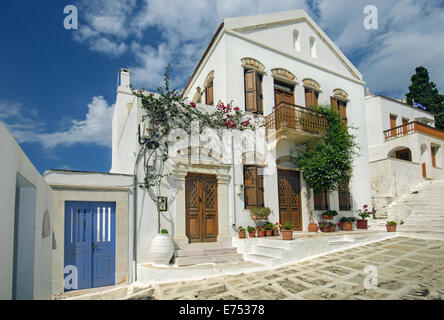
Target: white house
404, 148
26, 238
276, 66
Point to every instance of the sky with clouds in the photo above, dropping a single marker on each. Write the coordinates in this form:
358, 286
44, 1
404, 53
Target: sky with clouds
57, 91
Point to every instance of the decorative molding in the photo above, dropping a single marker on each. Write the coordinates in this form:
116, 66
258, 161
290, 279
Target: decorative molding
284, 75
311, 84
340, 94
288, 158
209, 78
253, 158
198, 95
251, 63
202, 151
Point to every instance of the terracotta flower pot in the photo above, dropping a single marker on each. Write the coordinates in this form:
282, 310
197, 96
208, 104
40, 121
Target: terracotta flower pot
325, 217
252, 234
276, 232
390, 228
313, 227
260, 234
287, 234
347, 226
361, 224
269, 233
242, 234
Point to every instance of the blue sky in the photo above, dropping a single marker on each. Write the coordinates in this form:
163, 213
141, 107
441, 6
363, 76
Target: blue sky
57, 87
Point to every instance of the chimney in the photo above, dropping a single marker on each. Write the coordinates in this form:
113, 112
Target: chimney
123, 80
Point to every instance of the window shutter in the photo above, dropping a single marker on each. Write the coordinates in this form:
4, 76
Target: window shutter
250, 192
320, 200
251, 92
260, 108
308, 98
392, 122
334, 103
344, 195
342, 109
260, 189
433, 150
209, 95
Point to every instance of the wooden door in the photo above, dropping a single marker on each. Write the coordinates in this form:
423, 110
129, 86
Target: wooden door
201, 207
289, 185
424, 171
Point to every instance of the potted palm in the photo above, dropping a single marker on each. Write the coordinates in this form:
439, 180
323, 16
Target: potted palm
242, 233
251, 231
162, 248
364, 214
287, 231
347, 223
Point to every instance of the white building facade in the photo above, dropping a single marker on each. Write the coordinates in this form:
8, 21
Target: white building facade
276, 67
404, 148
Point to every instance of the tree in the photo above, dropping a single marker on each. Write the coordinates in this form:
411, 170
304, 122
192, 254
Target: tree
329, 162
423, 91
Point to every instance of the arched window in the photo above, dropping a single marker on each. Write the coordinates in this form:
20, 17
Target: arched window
209, 91
401, 153
296, 41
313, 48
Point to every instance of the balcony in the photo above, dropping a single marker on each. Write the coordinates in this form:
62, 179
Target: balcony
295, 123
413, 127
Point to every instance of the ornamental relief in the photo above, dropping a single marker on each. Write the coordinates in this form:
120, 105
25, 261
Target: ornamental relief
311, 84
253, 63
198, 95
280, 73
340, 94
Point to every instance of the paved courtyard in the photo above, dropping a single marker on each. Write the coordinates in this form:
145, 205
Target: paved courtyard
407, 268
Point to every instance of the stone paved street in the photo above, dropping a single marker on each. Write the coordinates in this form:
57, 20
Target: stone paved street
407, 268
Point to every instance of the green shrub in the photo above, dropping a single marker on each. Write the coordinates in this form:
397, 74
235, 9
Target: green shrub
164, 231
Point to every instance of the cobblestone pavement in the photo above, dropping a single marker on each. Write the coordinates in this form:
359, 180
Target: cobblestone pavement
407, 268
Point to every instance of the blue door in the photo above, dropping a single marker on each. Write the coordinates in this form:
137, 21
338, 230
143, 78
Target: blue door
90, 242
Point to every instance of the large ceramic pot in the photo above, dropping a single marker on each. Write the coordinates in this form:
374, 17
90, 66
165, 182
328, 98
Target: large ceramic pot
162, 249
347, 226
361, 224
287, 234
313, 227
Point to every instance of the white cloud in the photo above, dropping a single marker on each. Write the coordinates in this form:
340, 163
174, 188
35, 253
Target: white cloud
95, 129
159, 31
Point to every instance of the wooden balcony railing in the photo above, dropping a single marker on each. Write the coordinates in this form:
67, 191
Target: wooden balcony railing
291, 116
411, 127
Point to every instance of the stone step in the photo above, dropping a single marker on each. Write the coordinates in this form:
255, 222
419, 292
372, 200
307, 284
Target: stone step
262, 259
192, 260
424, 235
204, 251
269, 251
276, 243
429, 228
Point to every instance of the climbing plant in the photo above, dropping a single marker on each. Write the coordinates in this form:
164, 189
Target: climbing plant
330, 161
167, 110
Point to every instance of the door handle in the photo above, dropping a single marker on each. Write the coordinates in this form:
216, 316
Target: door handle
93, 247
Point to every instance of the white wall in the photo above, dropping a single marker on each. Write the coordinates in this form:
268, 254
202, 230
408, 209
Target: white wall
13, 161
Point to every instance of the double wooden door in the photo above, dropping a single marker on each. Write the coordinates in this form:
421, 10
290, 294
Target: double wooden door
201, 207
289, 185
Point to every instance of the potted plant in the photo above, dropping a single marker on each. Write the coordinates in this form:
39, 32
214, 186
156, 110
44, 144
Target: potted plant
260, 231
391, 225
327, 226
277, 226
313, 227
287, 231
251, 232
162, 248
269, 229
364, 214
260, 213
242, 233
347, 223
329, 214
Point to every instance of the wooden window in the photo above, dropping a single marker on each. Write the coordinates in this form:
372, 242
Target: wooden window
253, 188
253, 91
392, 121
334, 103
320, 199
209, 99
344, 195
404, 154
404, 125
283, 93
339, 106
311, 98
434, 151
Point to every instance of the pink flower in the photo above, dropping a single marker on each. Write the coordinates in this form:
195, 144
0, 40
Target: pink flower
193, 104
236, 109
365, 206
